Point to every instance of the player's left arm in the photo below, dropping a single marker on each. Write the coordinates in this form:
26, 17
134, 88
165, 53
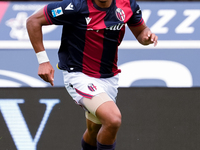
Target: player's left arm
143, 34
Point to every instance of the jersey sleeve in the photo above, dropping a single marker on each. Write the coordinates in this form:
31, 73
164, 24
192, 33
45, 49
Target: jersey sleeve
60, 13
136, 19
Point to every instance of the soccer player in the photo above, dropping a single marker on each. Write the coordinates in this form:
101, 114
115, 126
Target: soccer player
92, 32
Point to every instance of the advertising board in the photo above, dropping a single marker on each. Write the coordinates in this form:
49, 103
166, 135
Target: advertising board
173, 63
48, 119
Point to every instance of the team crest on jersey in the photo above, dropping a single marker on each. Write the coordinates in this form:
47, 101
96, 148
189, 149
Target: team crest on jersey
92, 87
57, 12
120, 14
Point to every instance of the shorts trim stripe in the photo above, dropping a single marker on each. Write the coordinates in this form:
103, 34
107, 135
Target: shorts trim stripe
84, 94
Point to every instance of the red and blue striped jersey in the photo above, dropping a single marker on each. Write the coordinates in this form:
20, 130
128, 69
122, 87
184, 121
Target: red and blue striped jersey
91, 35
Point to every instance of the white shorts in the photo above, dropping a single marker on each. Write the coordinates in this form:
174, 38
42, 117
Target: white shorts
80, 85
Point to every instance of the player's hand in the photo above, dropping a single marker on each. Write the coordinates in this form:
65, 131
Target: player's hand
149, 38
46, 72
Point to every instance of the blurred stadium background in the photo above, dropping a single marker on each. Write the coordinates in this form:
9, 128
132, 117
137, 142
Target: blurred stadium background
159, 93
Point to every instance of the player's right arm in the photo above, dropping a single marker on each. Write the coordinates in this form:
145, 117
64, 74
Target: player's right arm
34, 27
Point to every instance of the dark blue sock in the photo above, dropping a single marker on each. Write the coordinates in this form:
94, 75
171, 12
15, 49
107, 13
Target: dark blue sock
105, 147
86, 146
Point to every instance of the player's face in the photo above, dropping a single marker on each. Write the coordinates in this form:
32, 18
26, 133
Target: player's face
103, 3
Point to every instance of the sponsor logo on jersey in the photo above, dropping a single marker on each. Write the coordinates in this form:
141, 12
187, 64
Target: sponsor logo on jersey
69, 7
57, 12
120, 14
92, 87
116, 27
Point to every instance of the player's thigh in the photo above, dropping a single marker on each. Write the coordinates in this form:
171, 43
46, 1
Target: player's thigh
109, 113
92, 104
102, 109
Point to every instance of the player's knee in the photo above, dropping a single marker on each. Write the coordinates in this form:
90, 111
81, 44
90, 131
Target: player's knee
114, 122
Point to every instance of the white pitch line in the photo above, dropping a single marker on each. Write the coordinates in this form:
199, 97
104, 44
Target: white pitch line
27, 45
163, 44
126, 44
